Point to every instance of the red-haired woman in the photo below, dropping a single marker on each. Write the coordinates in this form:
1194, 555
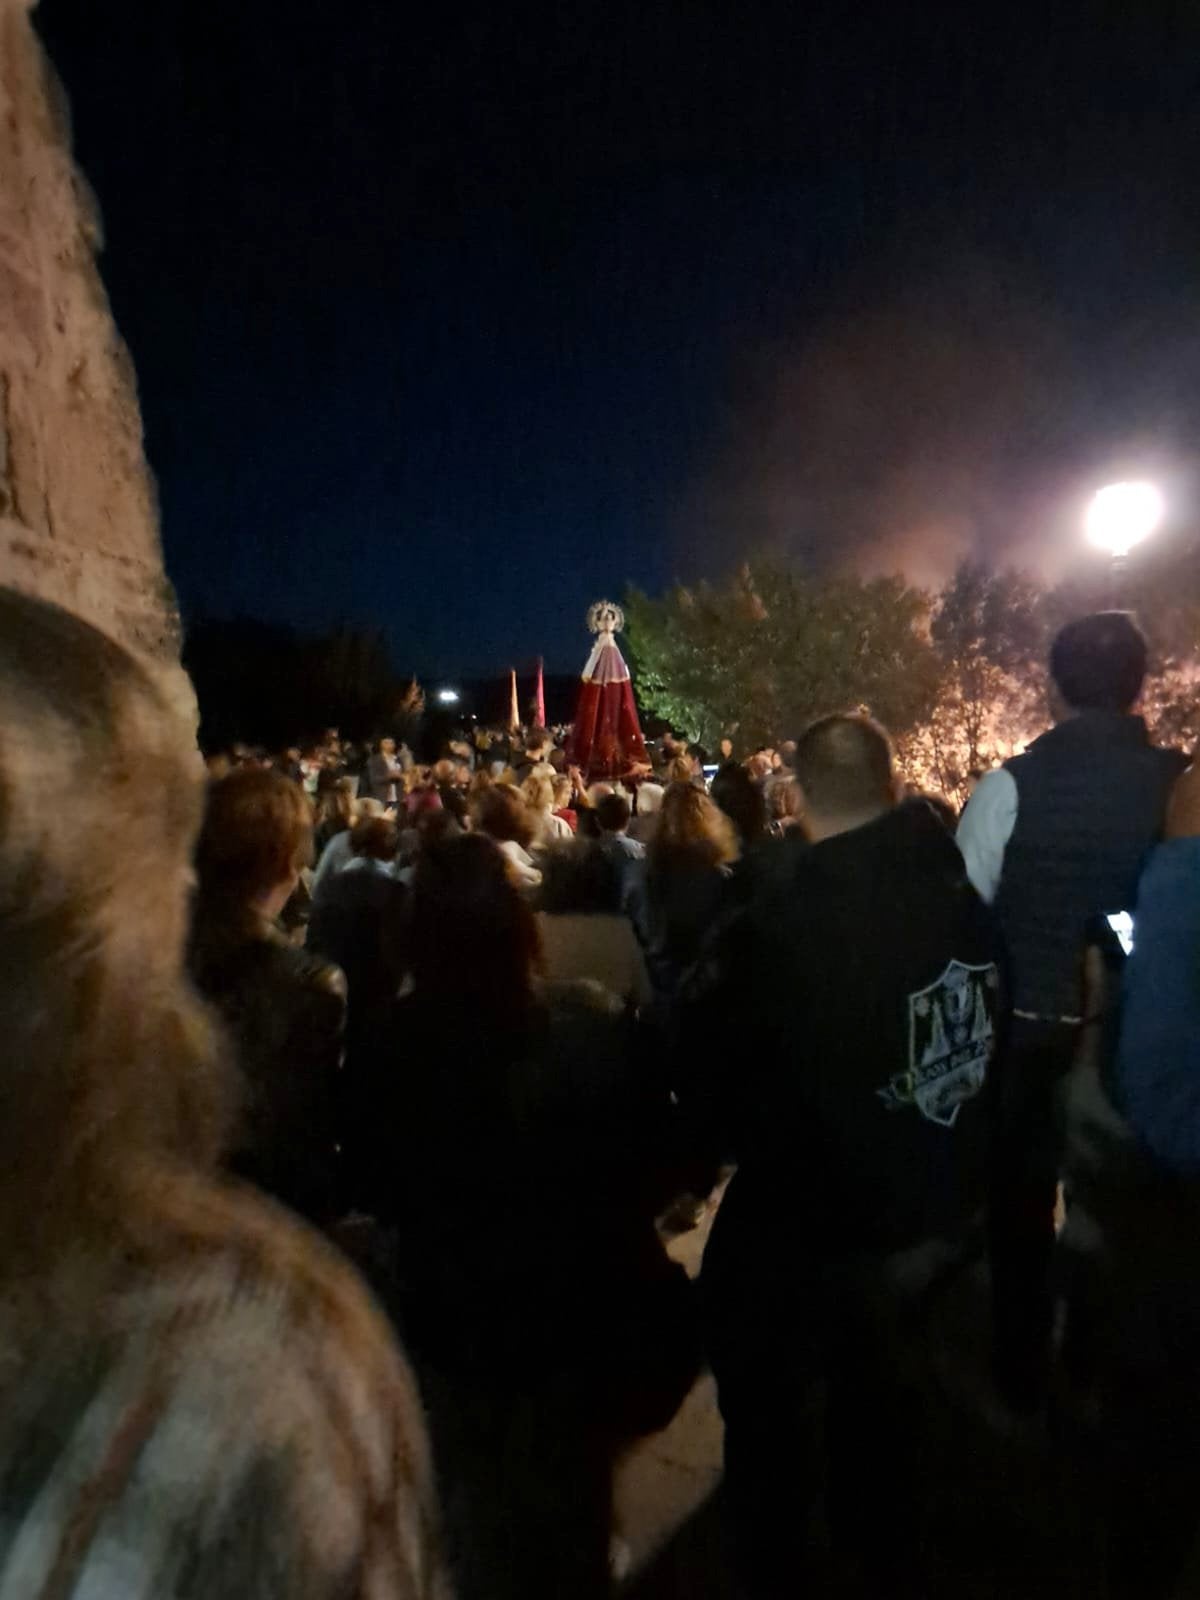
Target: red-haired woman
284, 1007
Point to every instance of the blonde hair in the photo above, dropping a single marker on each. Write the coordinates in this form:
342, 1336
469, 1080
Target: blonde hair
110, 1068
691, 824
538, 792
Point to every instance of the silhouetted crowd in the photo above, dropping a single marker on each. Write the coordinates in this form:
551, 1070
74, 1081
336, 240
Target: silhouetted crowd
352, 1106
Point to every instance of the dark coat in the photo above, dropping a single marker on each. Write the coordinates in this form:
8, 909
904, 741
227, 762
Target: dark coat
524, 1165
284, 1010
847, 1042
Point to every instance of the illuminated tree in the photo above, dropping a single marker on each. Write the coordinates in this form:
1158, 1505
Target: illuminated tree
988, 633
774, 647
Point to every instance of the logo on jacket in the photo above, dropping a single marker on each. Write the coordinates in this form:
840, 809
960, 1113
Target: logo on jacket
951, 1032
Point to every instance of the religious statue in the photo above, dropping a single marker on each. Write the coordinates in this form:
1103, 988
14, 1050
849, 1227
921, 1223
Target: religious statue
606, 741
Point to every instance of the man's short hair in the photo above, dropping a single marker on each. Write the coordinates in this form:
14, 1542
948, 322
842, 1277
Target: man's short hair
844, 765
1099, 662
612, 813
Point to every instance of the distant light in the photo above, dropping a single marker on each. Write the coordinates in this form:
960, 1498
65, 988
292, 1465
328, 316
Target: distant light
448, 697
1122, 515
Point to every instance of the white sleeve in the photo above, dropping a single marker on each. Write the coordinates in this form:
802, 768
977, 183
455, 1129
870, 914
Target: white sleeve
985, 829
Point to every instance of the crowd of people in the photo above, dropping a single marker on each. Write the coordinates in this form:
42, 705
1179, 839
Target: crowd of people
352, 1101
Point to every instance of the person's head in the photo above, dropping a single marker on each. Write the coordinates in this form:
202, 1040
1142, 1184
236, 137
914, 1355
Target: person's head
501, 813
255, 839
538, 744
564, 793
1098, 663
579, 878
650, 799
613, 813
481, 779
785, 804
725, 749
681, 770
335, 803
387, 747
110, 1068
692, 830
759, 766
741, 799
368, 807
217, 764
787, 752
845, 774
444, 772
538, 791
375, 838
432, 827
474, 939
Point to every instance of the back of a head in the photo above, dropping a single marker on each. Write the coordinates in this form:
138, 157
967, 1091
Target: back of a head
473, 938
580, 878
538, 791
691, 830
374, 838
844, 767
1099, 662
741, 799
612, 813
108, 1059
257, 831
501, 813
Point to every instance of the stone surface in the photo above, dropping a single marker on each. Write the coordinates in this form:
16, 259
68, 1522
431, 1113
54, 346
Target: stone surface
78, 519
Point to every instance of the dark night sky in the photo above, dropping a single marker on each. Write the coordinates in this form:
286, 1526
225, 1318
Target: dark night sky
453, 322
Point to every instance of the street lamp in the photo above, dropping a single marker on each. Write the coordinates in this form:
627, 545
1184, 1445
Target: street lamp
448, 697
1120, 516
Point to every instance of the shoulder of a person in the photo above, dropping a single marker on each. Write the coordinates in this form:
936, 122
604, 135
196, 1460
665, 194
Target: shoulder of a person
226, 1244
312, 973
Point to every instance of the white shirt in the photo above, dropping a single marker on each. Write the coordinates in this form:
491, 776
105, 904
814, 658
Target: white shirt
520, 863
985, 829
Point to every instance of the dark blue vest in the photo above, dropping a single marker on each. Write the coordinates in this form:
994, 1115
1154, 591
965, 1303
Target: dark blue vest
1091, 797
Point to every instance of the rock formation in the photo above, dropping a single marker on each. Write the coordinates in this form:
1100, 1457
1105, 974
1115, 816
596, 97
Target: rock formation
78, 520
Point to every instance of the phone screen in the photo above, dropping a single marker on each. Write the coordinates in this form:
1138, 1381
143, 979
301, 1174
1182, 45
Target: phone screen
1121, 924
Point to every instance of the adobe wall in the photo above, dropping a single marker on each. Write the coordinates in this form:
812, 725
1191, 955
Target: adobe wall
78, 520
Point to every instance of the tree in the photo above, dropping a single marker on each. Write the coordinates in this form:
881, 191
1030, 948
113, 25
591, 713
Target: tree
774, 647
987, 631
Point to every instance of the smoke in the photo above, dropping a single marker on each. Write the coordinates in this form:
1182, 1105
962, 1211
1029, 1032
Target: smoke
960, 416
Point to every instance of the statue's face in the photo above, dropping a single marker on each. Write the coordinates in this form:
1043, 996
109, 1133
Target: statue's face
608, 618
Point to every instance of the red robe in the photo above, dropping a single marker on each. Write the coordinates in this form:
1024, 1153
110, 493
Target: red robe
606, 740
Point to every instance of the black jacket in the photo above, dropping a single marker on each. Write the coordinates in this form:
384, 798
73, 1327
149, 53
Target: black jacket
284, 1009
847, 1039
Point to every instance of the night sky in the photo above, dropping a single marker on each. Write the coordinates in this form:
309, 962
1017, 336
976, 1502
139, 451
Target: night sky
453, 322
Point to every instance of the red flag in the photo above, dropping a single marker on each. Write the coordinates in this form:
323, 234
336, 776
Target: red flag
539, 695
514, 715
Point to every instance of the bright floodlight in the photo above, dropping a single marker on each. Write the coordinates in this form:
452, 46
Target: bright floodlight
448, 697
1122, 515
